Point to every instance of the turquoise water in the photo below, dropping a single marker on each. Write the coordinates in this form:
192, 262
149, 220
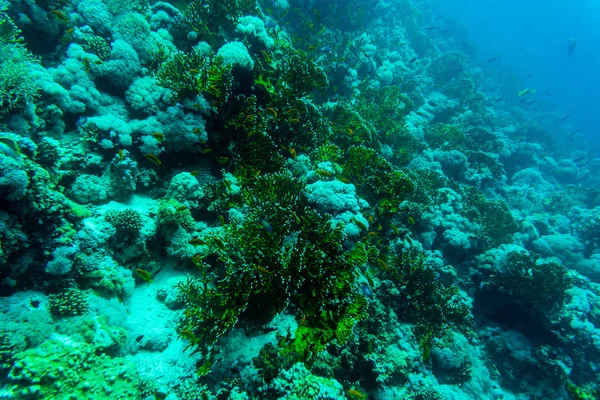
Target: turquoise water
298, 199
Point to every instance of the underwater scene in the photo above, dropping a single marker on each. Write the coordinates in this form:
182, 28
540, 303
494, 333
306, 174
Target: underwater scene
299, 199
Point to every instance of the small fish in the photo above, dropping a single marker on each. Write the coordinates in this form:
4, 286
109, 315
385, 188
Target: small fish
356, 395
302, 321
219, 243
383, 265
272, 112
571, 45
575, 132
492, 59
187, 334
263, 270
139, 338
566, 117
579, 159
181, 208
69, 31
526, 91
60, 15
153, 159
197, 130
358, 223
222, 160
394, 229
430, 28
121, 156
324, 173
498, 100
87, 64
547, 93
531, 102
267, 56
221, 220
197, 242
325, 49
293, 153
265, 224
412, 60
411, 220
145, 275
529, 76
195, 172
294, 121
158, 136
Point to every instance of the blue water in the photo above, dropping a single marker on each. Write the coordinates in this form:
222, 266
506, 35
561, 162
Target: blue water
531, 37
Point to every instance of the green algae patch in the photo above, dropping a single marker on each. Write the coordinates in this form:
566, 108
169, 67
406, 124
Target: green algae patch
61, 369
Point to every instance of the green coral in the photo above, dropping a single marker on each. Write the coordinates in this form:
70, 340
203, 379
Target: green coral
70, 302
497, 223
429, 305
7, 350
582, 393
172, 214
385, 109
588, 230
376, 179
191, 73
17, 84
127, 221
539, 286
446, 67
59, 366
283, 253
209, 18
450, 136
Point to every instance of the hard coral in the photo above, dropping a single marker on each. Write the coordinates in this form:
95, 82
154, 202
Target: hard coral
71, 302
127, 221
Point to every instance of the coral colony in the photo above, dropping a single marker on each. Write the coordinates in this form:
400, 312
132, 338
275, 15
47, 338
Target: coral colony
214, 199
